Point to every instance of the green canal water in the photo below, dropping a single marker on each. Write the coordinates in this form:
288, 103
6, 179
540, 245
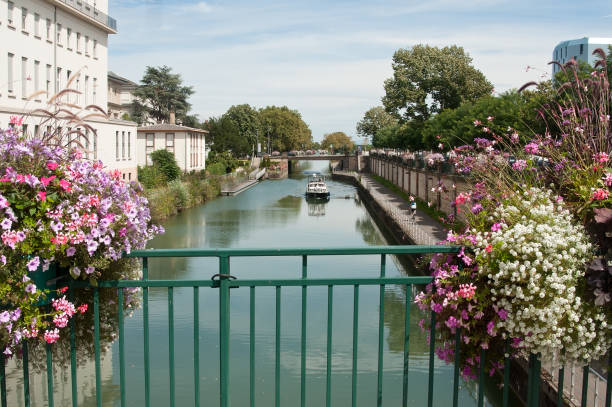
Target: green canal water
270, 215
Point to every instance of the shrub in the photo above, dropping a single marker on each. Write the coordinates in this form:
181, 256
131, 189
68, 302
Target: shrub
151, 177
179, 191
166, 162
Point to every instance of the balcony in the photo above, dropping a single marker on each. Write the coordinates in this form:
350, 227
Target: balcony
82, 8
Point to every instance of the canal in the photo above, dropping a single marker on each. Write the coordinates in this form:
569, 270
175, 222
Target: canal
272, 214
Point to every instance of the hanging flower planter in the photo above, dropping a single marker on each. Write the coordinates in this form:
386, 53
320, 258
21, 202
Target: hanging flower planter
49, 278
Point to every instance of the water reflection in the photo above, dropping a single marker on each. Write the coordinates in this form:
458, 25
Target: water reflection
316, 208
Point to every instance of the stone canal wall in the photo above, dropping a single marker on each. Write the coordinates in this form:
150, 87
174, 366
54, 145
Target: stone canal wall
430, 186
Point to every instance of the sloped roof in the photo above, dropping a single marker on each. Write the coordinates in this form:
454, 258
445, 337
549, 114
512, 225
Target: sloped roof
123, 81
170, 127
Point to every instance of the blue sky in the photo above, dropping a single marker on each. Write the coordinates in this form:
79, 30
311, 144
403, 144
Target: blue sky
329, 59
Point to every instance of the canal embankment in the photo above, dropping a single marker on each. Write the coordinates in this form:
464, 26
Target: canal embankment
394, 212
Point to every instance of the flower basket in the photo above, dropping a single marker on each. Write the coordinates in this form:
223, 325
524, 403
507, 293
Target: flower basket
49, 280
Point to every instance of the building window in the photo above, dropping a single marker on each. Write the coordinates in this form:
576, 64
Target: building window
36, 25
123, 145
48, 30
36, 127
24, 77
25, 129
87, 144
86, 90
48, 84
24, 19
129, 141
68, 38
95, 86
95, 49
58, 82
581, 48
78, 41
86, 45
36, 76
95, 145
117, 145
10, 77
77, 97
170, 142
150, 146
11, 7
59, 34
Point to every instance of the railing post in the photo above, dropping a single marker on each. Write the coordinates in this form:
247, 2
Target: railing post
533, 381
224, 329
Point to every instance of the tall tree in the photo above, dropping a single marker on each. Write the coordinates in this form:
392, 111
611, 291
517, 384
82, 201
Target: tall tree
225, 136
161, 92
339, 141
247, 121
374, 120
427, 80
285, 127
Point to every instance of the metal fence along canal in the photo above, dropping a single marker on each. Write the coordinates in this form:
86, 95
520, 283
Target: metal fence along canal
225, 283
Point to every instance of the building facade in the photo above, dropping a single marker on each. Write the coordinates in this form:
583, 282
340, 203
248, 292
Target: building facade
580, 49
120, 96
50, 44
186, 143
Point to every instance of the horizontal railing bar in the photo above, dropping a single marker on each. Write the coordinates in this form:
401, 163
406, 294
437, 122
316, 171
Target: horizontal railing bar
406, 249
259, 283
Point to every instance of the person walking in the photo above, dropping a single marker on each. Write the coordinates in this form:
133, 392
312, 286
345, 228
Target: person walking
413, 207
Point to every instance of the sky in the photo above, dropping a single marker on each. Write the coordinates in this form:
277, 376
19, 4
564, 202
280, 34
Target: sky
329, 59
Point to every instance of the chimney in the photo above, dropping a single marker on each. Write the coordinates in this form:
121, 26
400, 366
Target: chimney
172, 118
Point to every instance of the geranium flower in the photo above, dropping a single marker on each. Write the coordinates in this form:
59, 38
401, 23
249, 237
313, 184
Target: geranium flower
52, 165
599, 194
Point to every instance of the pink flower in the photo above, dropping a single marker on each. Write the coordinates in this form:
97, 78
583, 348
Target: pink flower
42, 195
15, 120
519, 165
490, 118
452, 323
600, 157
477, 122
496, 227
47, 180
503, 314
462, 198
82, 308
489, 248
607, 180
491, 328
532, 148
51, 336
600, 194
65, 185
52, 165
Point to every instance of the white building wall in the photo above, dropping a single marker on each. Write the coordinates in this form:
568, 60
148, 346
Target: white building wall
182, 149
43, 59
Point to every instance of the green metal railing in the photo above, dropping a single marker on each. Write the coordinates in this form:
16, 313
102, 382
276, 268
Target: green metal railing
223, 281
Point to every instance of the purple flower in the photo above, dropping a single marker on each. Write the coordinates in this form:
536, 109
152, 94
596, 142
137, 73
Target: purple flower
92, 246
3, 260
16, 314
70, 251
89, 270
503, 314
6, 224
476, 208
5, 317
30, 288
33, 264
56, 226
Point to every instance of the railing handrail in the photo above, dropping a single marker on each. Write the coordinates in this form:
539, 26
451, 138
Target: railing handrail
294, 251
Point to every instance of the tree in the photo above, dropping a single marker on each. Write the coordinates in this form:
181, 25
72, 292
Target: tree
225, 136
339, 141
374, 120
427, 80
246, 119
286, 129
160, 93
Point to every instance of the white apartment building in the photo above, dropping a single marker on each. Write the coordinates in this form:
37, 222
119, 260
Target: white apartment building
45, 42
580, 50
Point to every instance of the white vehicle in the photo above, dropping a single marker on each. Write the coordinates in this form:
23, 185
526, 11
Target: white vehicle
316, 187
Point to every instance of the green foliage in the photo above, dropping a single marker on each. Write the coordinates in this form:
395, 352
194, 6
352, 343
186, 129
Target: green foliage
339, 141
427, 80
151, 177
374, 120
286, 128
246, 119
180, 191
126, 116
225, 136
265, 162
160, 93
165, 161
221, 163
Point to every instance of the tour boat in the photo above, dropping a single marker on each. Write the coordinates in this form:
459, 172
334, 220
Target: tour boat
316, 187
